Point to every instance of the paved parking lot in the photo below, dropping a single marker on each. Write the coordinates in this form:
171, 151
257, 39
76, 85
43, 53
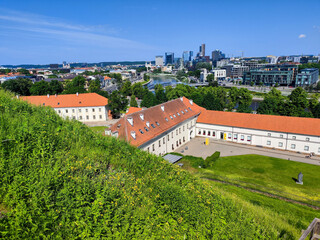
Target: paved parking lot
197, 148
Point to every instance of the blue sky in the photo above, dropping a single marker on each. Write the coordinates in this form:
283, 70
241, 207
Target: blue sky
39, 32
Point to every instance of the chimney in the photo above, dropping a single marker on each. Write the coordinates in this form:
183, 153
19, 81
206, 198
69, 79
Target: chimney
48, 95
77, 94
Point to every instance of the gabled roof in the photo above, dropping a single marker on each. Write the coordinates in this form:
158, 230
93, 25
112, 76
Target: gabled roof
148, 119
133, 110
297, 125
68, 100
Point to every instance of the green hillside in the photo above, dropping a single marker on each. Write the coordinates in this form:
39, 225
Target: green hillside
60, 180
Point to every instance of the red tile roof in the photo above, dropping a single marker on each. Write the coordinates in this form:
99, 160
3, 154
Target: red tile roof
133, 110
68, 100
297, 125
153, 115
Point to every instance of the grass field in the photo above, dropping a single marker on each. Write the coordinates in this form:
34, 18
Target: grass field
267, 174
270, 175
99, 129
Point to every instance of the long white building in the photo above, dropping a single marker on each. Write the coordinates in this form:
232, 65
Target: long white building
84, 107
165, 127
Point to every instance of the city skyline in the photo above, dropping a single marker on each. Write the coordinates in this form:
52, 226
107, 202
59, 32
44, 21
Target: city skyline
38, 33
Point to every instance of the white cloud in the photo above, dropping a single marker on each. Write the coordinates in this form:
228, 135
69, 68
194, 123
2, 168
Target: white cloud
302, 36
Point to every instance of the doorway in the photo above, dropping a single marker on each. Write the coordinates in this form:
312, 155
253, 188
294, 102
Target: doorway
221, 135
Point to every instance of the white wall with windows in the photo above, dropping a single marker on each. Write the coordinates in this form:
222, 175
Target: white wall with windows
270, 139
172, 139
84, 114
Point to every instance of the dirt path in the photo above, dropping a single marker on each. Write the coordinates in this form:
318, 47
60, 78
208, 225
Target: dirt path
266, 194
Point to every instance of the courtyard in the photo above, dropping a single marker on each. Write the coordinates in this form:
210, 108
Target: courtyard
196, 147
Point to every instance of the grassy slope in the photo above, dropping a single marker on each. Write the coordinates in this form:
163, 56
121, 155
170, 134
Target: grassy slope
99, 129
270, 175
291, 217
58, 179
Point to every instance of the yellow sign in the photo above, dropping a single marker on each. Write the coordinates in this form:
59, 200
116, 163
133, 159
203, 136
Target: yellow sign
225, 136
207, 141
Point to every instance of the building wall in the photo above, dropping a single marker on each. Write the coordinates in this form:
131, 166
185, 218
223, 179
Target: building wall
172, 139
277, 140
84, 114
219, 73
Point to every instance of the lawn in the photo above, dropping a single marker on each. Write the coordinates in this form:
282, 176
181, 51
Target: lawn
99, 129
267, 174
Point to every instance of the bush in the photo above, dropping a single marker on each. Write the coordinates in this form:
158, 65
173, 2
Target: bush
209, 161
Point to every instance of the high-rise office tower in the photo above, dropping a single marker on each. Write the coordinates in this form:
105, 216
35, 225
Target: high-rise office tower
187, 56
202, 50
169, 58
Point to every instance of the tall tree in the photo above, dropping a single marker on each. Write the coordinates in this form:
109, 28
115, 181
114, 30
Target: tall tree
138, 90
56, 87
133, 101
40, 88
19, 86
118, 103
160, 94
75, 86
94, 86
149, 100
126, 88
299, 98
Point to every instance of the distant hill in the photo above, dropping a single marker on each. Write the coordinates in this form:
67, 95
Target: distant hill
60, 180
103, 64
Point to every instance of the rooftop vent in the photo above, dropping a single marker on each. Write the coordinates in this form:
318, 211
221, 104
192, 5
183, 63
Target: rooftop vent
77, 94
191, 101
141, 116
181, 98
148, 124
133, 134
130, 120
48, 95
178, 113
158, 124
167, 119
162, 108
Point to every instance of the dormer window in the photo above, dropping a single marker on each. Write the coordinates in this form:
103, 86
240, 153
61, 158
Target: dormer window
174, 115
141, 116
171, 117
167, 119
133, 134
152, 125
178, 113
145, 128
158, 124
140, 131
58, 103
130, 120
162, 108
186, 110
148, 124
182, 112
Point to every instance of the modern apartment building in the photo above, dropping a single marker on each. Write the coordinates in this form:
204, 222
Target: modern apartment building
307, 77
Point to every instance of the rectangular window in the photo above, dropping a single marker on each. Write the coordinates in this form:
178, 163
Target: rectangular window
269, 134
59, 111
99, 109
148, 149
203, 132
159, 143
319, 150
209, 133
79, 110
235, 136
293, 137
183, 128
184, 139
213, 133
100, 116
281, 135
152, 147
86, 109
80, 117
94, 116
229, 135
293, 146
72, 110
163, 140
92, 109
66, 110
172, 135
187, 125
249, 138
307, 139
87, 117
179, 130
242, 137
199, 132
168, 137
73, 117
280, 144
268, 142
306, 148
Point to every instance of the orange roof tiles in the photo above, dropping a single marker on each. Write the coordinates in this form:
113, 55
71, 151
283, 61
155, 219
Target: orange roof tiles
297, 125
152, 116
133, 110
68, 100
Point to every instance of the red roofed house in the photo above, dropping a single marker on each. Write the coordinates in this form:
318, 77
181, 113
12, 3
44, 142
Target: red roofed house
84, 107
165, 127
